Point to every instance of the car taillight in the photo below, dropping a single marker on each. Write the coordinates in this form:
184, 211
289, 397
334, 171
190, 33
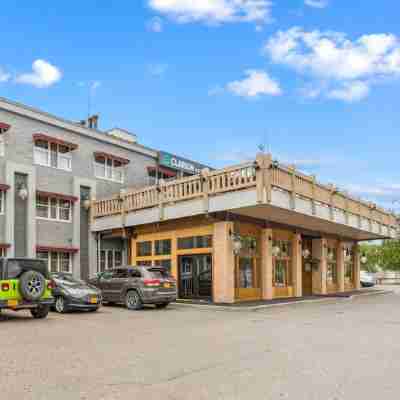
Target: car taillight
5, 287
51, 285
152, 282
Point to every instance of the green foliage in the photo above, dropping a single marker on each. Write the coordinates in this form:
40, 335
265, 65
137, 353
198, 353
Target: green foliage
385, 256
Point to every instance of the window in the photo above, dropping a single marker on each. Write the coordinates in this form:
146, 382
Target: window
56, 261
143, 263
2, 201
162, 247
282, 263
332, 265
195, 242
246, 272
52, 155
53, 208
143, 249
348, 265
108, 168
110, 259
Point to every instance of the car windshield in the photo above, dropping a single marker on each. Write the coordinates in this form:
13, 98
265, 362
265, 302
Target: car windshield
159, 273
67, 279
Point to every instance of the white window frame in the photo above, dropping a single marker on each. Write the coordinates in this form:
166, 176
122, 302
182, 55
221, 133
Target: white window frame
58, 255
58, 209
106, 253
107, 172
47, 153
2, 201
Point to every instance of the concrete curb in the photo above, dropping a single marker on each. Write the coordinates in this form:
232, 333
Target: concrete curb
289, 303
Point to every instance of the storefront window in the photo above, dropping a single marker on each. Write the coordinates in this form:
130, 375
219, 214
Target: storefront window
332, 265
348, 265
163, 263
246, 275
162, 247
144, 249
282, 263
195, 242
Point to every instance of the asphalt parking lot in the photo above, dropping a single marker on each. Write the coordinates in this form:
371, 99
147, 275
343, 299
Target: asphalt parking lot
345, 349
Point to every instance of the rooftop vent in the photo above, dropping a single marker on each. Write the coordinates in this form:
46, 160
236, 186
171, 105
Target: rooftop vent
122, 134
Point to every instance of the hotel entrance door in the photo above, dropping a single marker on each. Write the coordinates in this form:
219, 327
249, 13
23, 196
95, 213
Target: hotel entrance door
195, 276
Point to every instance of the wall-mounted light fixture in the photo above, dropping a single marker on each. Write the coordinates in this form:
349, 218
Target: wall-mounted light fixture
276, 250
236, 242
363, 259
86, 203
306, 253
23, 192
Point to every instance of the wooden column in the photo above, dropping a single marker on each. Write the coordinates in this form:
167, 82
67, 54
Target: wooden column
357, 266
297, 265
266, 264
340, 266
319, 275
224, 264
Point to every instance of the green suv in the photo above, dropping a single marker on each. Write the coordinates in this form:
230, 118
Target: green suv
25, 284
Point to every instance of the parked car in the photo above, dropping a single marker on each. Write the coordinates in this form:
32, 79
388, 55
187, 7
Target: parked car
135, 286
74, 294
367, 279
25, 284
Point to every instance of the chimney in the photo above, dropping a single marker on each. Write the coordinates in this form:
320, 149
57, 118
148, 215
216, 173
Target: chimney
93, 121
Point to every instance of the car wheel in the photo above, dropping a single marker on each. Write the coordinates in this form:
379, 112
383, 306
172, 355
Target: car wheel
32, 285
162, 305
133, 300
59, 305
40, 312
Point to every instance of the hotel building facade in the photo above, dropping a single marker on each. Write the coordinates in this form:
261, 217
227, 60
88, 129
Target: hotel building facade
86, 201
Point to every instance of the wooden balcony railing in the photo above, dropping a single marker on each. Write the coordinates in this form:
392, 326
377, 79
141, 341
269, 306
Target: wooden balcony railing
262, 174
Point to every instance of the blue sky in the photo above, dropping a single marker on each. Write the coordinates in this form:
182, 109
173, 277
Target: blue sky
317, 81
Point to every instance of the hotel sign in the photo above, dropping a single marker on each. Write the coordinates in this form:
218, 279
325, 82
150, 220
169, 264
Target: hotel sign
171, 161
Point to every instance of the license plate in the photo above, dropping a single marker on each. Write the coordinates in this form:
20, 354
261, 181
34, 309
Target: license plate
12, 303
93, 300
167, 285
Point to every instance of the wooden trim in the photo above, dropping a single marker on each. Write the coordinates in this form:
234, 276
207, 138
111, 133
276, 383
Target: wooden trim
5, 245
4, 187
47, 138
4, 127
57, 249
123, 161
163, 170
61, 196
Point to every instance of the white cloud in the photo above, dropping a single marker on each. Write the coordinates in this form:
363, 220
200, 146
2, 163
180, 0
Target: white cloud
43, 75
214, 11
316, 3
350, 92
155, 25
346, 67
4, 76
255, 84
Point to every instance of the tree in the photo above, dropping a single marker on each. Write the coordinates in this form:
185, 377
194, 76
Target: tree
385, 256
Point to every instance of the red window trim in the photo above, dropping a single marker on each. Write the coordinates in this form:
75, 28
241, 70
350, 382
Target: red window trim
123, 161
4, 187
165, 171
57, 249
73, 199
5, 245
4, 126
41, 136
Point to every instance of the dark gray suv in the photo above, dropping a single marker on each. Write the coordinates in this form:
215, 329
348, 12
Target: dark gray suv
135, 286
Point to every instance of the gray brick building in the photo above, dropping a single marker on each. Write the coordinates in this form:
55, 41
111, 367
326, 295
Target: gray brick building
50, 168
